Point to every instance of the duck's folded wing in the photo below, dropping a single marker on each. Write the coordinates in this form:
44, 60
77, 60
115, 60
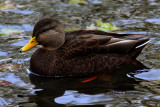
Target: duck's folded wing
101, 44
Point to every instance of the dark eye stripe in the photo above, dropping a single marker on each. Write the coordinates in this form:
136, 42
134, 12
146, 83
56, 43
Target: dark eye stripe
44, 30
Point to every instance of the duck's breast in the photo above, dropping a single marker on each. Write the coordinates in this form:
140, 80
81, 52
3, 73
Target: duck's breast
42, 62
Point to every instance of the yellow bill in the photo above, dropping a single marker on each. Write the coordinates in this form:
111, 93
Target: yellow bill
33, 42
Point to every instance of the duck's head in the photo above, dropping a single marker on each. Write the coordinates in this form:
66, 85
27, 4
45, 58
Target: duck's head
47, 32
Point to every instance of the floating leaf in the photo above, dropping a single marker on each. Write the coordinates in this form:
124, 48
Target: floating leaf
71, 29
8, 31
9, 67
76, 1
5, 6
3, 82
99, 25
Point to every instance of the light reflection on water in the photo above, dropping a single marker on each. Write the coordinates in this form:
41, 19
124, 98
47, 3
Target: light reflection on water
154, 21
75, 98
24, 27
3, 53
21, 43
25, 12
153, 74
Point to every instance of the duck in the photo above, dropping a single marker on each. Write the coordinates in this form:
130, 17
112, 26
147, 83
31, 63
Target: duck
80, 52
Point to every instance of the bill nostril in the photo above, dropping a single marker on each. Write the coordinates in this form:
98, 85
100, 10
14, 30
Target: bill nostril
20, 50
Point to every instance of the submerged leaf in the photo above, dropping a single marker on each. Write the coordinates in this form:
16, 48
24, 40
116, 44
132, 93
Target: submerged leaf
71, 29
99, 25
76, 1
9, 67
4, 6
8, 31
3, 82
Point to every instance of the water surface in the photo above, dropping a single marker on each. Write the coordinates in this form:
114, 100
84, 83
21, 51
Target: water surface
124, 86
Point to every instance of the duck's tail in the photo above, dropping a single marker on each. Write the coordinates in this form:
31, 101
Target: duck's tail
136, 50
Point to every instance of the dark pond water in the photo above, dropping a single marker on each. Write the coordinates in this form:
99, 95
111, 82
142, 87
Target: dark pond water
137, 86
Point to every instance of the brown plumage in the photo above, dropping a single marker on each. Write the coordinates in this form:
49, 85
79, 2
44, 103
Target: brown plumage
81, 52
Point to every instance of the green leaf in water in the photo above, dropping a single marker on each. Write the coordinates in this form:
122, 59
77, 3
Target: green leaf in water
8, 31
7, 5
99, 25
9, 67
71, 29
157, 81
76, 1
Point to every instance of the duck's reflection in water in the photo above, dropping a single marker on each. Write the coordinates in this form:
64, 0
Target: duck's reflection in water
93, 90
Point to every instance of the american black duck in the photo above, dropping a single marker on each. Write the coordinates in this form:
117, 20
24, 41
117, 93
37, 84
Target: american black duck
80, 52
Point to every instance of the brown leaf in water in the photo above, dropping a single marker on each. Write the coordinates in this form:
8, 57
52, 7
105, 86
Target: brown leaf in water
9, 67
3, 82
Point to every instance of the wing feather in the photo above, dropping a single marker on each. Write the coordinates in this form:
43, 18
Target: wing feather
84, 42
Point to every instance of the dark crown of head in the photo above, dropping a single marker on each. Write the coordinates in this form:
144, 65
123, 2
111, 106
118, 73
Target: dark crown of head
43, 25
